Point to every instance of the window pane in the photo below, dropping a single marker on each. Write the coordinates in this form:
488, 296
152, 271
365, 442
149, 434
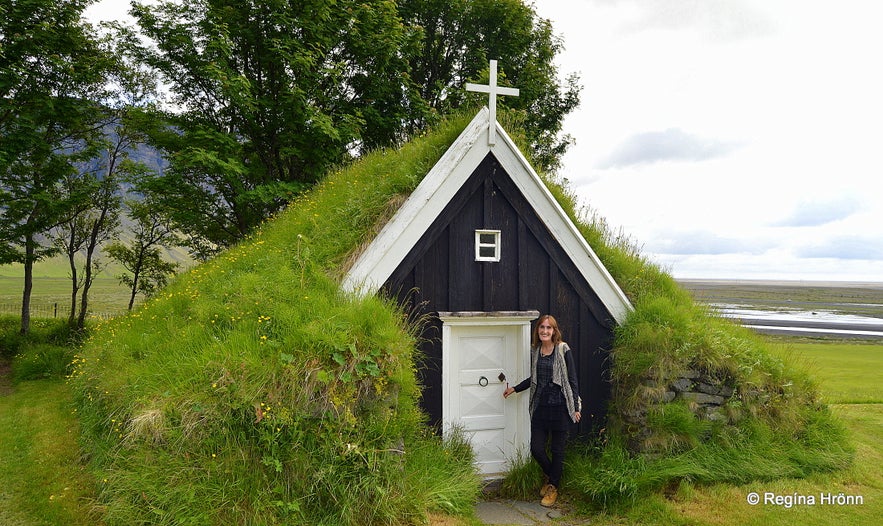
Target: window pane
487, 252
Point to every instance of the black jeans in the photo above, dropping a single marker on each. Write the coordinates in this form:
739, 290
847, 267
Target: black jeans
549, 424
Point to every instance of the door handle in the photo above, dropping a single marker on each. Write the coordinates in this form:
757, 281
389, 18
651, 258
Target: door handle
483, 381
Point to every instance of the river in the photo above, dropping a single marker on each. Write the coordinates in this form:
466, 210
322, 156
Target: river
802, 322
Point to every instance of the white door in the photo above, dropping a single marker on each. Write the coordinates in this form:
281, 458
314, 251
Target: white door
481, 357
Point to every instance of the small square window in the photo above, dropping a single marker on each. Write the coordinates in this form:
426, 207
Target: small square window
487, 245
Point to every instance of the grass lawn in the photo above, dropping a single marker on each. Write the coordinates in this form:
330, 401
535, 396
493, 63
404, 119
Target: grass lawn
848, 373
41, 478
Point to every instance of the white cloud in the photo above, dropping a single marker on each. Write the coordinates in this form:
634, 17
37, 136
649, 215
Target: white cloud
109, 10
672, 144
847, 247
715, 19
816, 213
703, 242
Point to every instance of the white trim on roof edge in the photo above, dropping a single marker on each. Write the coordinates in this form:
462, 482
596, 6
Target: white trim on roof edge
420, 210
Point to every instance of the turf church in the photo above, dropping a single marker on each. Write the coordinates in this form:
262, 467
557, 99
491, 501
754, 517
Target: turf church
482, 248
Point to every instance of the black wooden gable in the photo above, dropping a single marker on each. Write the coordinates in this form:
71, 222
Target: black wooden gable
440, 274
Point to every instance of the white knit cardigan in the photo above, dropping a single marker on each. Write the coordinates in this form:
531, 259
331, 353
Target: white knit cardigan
560, 377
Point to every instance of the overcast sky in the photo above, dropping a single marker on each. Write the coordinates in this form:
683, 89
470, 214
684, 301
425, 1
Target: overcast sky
731, 138
727, 138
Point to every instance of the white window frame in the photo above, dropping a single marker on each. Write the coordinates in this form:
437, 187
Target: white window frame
479, 245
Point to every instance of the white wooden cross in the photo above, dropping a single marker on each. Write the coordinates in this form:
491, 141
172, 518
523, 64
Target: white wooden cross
493, 90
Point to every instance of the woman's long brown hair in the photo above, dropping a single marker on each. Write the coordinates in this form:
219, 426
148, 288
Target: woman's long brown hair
556, 333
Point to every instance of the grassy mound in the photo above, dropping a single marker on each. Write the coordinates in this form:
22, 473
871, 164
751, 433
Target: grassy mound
252, 391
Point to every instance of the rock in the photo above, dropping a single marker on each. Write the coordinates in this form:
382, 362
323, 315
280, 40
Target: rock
682, 384
702, 398
716, 416
703, 387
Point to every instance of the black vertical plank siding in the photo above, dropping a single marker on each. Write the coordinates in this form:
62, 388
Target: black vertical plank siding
466, 276
440, 274
502, 290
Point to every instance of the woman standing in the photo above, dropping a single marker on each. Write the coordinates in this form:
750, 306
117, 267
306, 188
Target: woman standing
554, 401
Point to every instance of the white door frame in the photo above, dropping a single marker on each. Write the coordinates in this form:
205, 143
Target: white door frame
520, 321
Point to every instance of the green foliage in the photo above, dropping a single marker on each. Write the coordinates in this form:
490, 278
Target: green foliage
48, 332
142, 258
42, 361
45, 351
271, 94
52, 82
439, 474
456, 40
677, 422
523, 478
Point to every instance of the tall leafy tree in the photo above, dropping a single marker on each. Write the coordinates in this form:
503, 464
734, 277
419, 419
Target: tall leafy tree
267, 94
52, 78
146, 269
103, 178
94, 222
71, 237
459, 37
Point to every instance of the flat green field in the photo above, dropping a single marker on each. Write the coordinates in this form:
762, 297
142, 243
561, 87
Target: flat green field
52, 288
51, 296
42, 481
847, 373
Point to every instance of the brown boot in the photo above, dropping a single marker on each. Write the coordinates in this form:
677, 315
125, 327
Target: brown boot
550, 497
545, 487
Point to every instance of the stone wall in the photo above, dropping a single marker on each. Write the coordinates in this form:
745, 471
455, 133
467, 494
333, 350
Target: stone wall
706, 396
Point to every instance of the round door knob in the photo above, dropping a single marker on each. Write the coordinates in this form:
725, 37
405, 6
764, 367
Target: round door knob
483, 381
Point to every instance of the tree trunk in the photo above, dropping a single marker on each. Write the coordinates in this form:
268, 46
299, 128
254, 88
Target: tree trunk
30, 250
75, 288
97, 227
87, 284
136, 273
134, 291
